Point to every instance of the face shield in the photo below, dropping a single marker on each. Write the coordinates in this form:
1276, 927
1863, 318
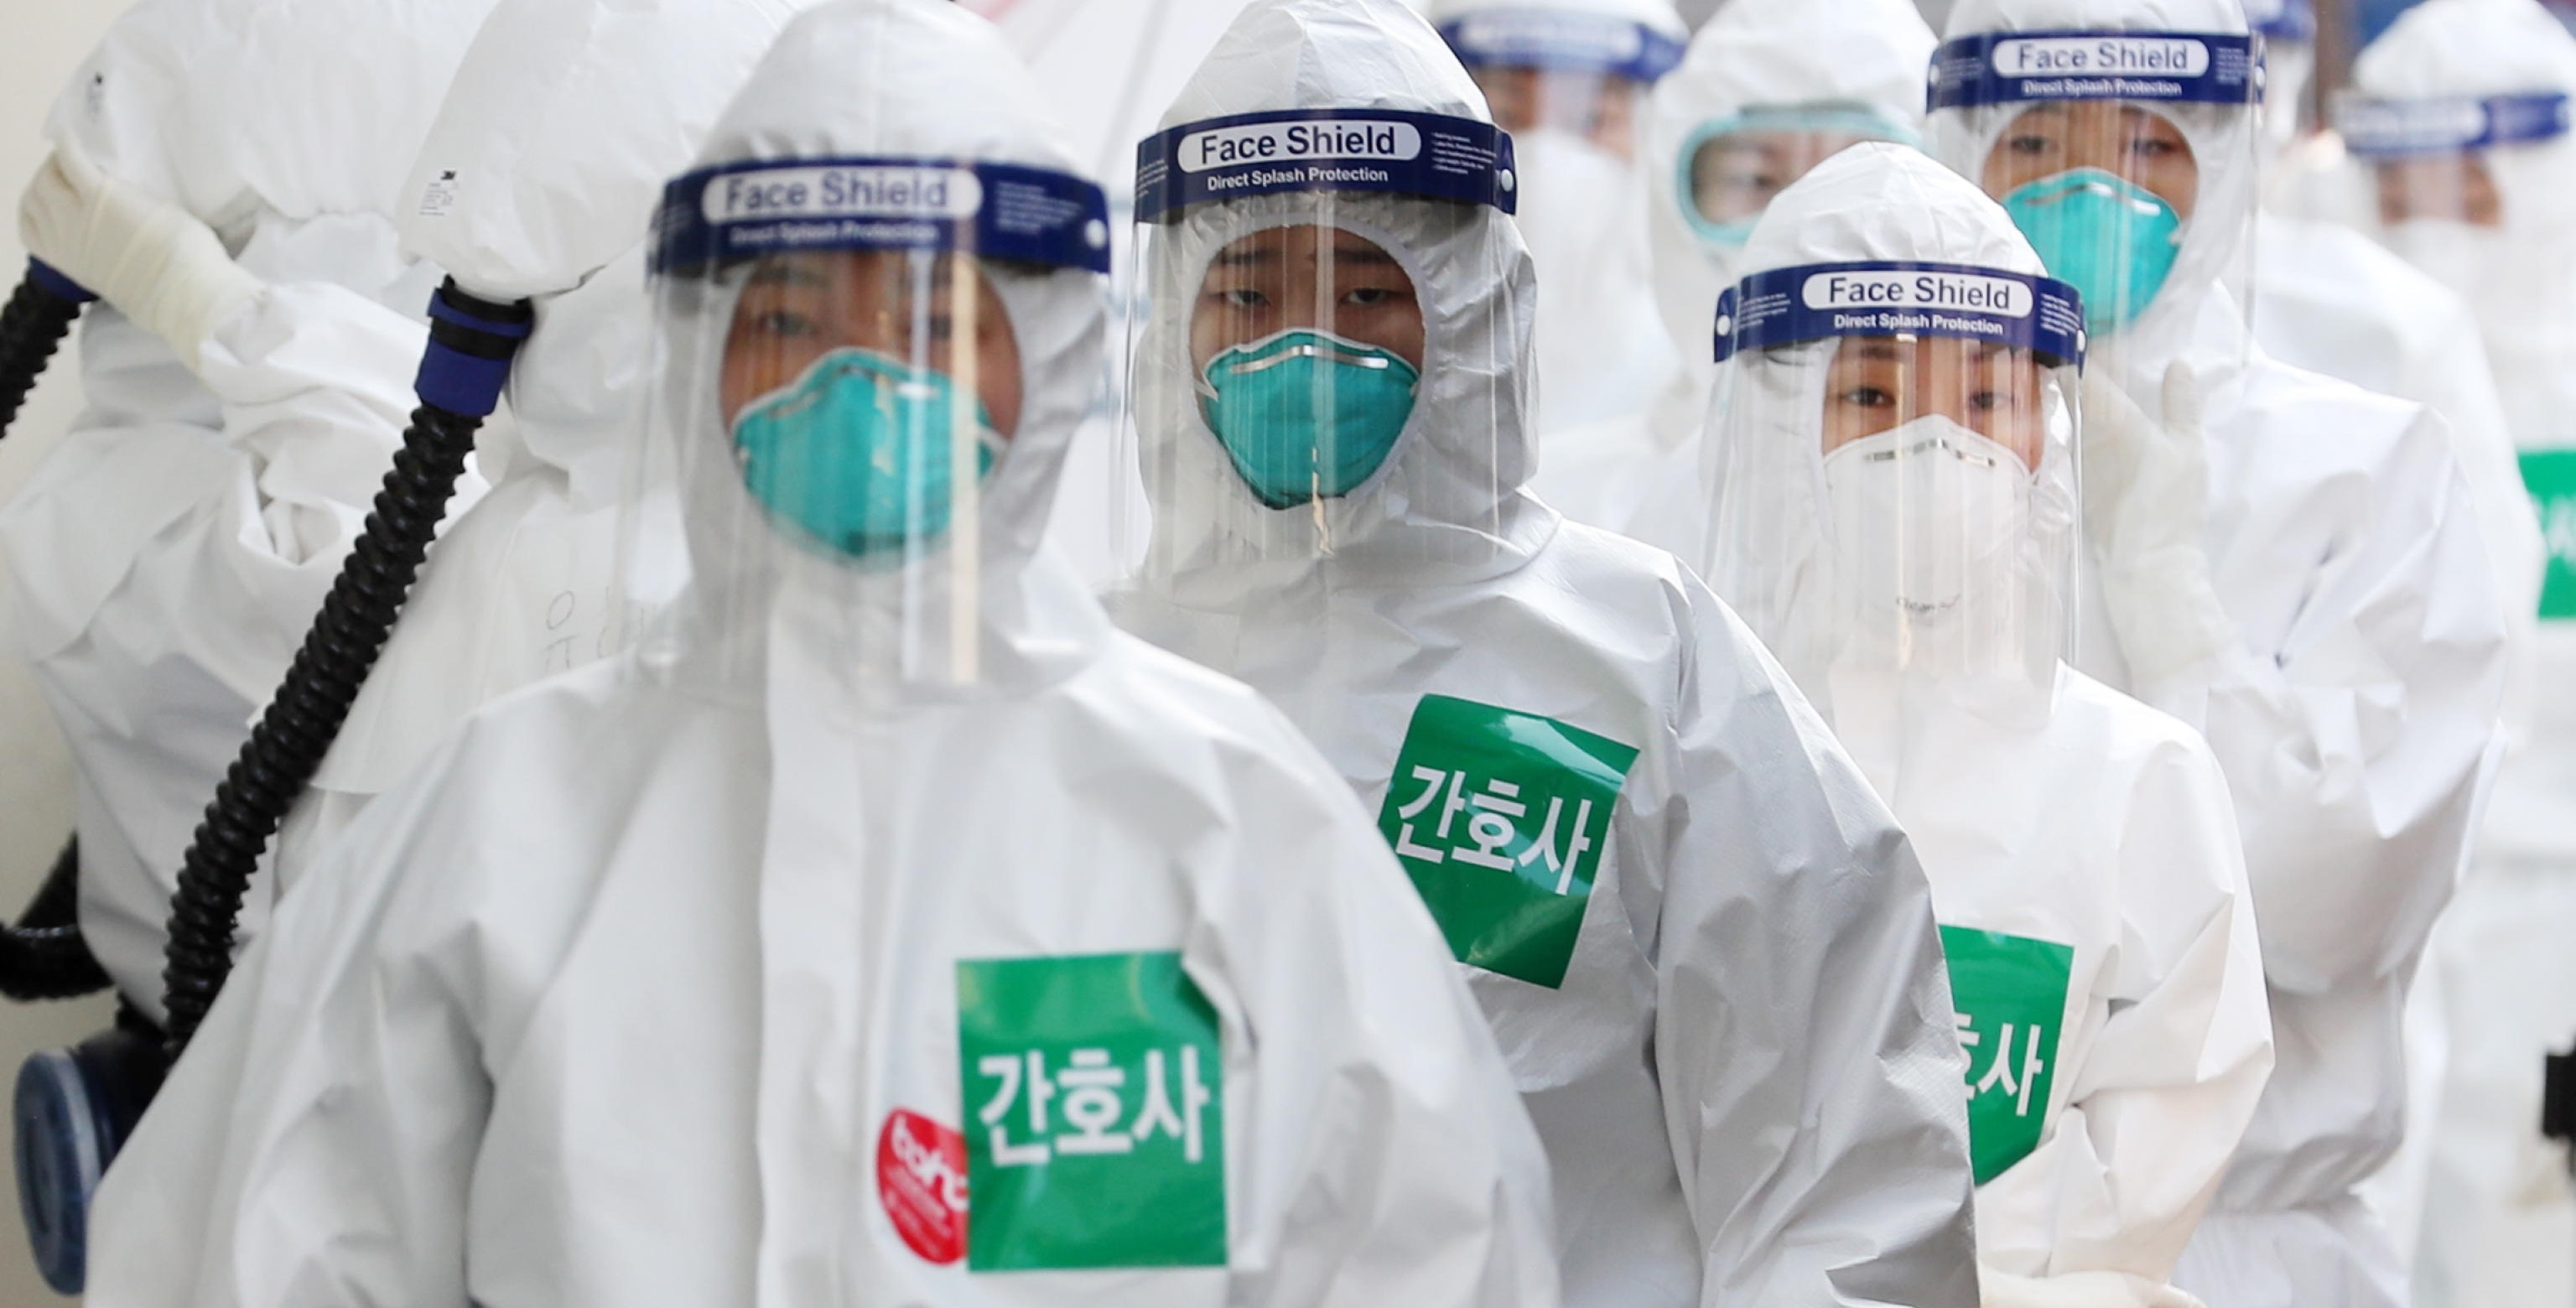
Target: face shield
2445, 172
1331, 362
2129, 160
1568, 79
854, 350
2436, 160
1564, 73
1893, 470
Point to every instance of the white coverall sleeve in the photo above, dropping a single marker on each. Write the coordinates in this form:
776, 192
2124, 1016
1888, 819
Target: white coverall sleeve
316, 1144
1394, 1162
1805, 1035
2357, 739
2456, 382
2171, 1080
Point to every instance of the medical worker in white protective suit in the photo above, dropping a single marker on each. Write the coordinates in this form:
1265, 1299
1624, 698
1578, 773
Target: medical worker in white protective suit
2460, 115
2330, 299
2287, 563
1769, 89
247, 380
884, 876
1896, 517
537, 182
1569, 80
1707, 950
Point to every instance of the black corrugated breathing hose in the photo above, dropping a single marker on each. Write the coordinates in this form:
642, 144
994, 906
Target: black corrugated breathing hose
461, 375
39, 314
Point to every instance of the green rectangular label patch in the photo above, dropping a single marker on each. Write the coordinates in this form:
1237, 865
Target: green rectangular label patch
2011, 995
1500, 818
2550, 476
1095, 1114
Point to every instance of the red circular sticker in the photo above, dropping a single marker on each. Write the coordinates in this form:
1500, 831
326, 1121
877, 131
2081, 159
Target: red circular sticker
921, 1180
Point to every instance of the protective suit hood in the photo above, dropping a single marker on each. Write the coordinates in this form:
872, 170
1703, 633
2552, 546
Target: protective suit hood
209, 104
2198, 313
1867, 54
1030, 621
1974, 16
538, 179
1880, 201
184, 99
1307, 54
1452, 490
1839, 55
2479, 48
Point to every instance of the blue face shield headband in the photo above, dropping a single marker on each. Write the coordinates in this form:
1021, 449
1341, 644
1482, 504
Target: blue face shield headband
1814, 302
2399, 129
1996, 68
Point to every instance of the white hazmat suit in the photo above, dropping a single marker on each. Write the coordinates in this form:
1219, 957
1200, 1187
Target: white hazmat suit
2451, 88
1706, 949
171, 550
685, 978
2300, 577
1809, 75
2083, 855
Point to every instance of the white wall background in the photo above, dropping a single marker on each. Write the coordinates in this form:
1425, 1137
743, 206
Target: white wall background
40, 43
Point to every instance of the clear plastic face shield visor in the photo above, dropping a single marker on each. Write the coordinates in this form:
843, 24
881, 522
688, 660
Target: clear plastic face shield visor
843, 380
1573, 72
2131, 161
1328, 361
2475, 193
1893, 470
1730, 169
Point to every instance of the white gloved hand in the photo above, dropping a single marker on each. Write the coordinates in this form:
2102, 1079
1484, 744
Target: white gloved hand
2078, 1290
154, 261
2146, 510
